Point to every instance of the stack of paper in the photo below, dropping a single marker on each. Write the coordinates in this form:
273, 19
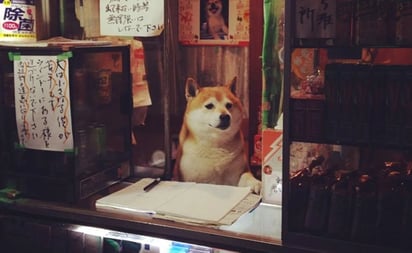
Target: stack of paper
188, 202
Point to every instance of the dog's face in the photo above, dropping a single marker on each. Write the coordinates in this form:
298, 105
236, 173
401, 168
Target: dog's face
213, 111
214, 7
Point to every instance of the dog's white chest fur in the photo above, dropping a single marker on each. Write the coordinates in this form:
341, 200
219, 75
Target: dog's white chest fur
217, 24
211, 164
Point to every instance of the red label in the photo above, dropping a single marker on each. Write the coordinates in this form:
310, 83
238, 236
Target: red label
10, 25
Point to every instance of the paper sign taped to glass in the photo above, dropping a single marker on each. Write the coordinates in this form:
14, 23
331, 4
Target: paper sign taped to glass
43, 112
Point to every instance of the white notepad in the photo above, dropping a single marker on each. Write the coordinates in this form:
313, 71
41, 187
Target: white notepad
202, 203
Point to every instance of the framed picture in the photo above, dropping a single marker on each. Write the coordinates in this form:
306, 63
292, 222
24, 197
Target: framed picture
214, 22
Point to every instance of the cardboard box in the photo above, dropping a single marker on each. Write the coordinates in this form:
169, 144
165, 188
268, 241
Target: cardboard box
272, 166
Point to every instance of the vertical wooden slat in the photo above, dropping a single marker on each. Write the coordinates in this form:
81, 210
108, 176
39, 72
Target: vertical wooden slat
255, 66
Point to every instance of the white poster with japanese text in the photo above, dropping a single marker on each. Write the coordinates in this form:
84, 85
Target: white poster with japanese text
42, 100
140, 18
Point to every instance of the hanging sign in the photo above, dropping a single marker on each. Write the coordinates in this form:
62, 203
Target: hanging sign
315, 18
138, 18
42, 102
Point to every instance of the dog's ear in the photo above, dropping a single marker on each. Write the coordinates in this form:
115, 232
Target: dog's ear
232, 85
192, 88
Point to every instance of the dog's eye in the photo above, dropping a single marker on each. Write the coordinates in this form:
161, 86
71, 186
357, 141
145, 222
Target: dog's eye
209, 106
229, 106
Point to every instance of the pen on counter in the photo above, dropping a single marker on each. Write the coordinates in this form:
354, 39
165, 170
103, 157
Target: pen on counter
152, 184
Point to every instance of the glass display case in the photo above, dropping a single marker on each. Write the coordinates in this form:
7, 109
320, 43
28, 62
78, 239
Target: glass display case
347, 131
67, 115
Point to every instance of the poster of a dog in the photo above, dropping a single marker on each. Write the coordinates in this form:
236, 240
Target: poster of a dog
214, 19
214, 22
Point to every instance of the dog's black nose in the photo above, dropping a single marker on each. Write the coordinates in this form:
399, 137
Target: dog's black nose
224, 121
225, 117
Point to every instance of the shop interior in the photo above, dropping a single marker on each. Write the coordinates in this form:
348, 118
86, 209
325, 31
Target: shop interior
323, 122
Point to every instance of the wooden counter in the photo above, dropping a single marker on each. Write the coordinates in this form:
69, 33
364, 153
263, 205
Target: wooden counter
258, 231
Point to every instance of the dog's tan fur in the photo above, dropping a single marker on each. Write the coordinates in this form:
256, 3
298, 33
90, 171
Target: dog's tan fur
215, 20
211, 144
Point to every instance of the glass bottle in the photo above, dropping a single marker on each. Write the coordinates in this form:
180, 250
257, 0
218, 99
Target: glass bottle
341, 204
364, 212
389, 206
299, 194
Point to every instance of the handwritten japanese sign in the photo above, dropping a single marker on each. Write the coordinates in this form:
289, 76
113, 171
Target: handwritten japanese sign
315, 18
42, 101
131, 18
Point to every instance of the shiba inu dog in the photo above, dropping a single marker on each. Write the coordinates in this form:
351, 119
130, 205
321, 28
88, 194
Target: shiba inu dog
215, 21
211, 144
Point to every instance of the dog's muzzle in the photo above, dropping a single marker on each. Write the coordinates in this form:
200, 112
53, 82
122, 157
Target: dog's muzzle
213, 8
224, 121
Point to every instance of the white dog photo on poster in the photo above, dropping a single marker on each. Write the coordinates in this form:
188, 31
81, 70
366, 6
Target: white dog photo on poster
214, 23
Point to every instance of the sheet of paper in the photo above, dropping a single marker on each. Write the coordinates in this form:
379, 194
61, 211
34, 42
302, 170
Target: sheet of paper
141, 95
42, 100
245, 206
195, 203
205, 202
131, 18
135, 199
